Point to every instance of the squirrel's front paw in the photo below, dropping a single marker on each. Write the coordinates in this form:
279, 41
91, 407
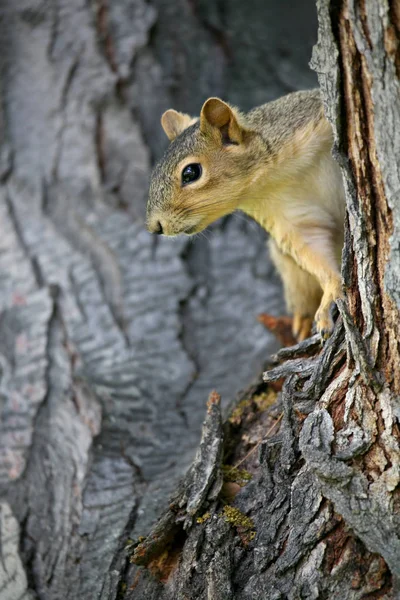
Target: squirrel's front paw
323, 317
324, 323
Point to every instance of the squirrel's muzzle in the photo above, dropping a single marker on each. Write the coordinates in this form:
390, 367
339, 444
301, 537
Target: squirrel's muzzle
158, 228
167, 225
155, 226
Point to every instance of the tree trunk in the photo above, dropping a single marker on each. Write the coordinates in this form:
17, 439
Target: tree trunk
110, 341
320, 517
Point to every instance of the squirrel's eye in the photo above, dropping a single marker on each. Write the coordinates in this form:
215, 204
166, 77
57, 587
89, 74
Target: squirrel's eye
190, 173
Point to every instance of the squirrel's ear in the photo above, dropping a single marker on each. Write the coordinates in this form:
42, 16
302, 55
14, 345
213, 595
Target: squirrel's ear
174, 122
217, 114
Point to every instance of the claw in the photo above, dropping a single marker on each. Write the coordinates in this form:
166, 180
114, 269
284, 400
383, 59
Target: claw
325, 334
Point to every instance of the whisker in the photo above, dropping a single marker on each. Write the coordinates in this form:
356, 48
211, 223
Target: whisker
203, 233
201, 203
199, 211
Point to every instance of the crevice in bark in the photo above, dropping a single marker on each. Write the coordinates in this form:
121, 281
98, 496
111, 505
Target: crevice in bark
99, 145
20, 236
218, 33
53, 29
104, 34
27, 543
392, 34
121, 554
69, 78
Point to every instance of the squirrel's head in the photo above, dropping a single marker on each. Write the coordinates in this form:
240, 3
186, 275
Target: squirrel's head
204, 171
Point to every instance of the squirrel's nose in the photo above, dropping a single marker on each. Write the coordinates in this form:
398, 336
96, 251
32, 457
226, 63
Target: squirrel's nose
158, 228
155, 227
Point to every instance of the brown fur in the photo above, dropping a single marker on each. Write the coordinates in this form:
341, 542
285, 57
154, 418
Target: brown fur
275, 164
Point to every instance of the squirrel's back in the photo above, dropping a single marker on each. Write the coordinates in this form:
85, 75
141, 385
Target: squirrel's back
277, 121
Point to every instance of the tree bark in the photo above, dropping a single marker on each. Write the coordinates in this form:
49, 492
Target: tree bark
102, 392
324, 496
109, 340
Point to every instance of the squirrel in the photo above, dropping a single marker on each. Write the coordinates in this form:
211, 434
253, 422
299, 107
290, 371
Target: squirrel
275, 164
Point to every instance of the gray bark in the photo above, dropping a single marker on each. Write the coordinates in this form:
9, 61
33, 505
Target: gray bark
324, 494
110, 341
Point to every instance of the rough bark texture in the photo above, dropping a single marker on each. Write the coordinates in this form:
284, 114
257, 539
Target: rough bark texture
110, 340
320, 517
